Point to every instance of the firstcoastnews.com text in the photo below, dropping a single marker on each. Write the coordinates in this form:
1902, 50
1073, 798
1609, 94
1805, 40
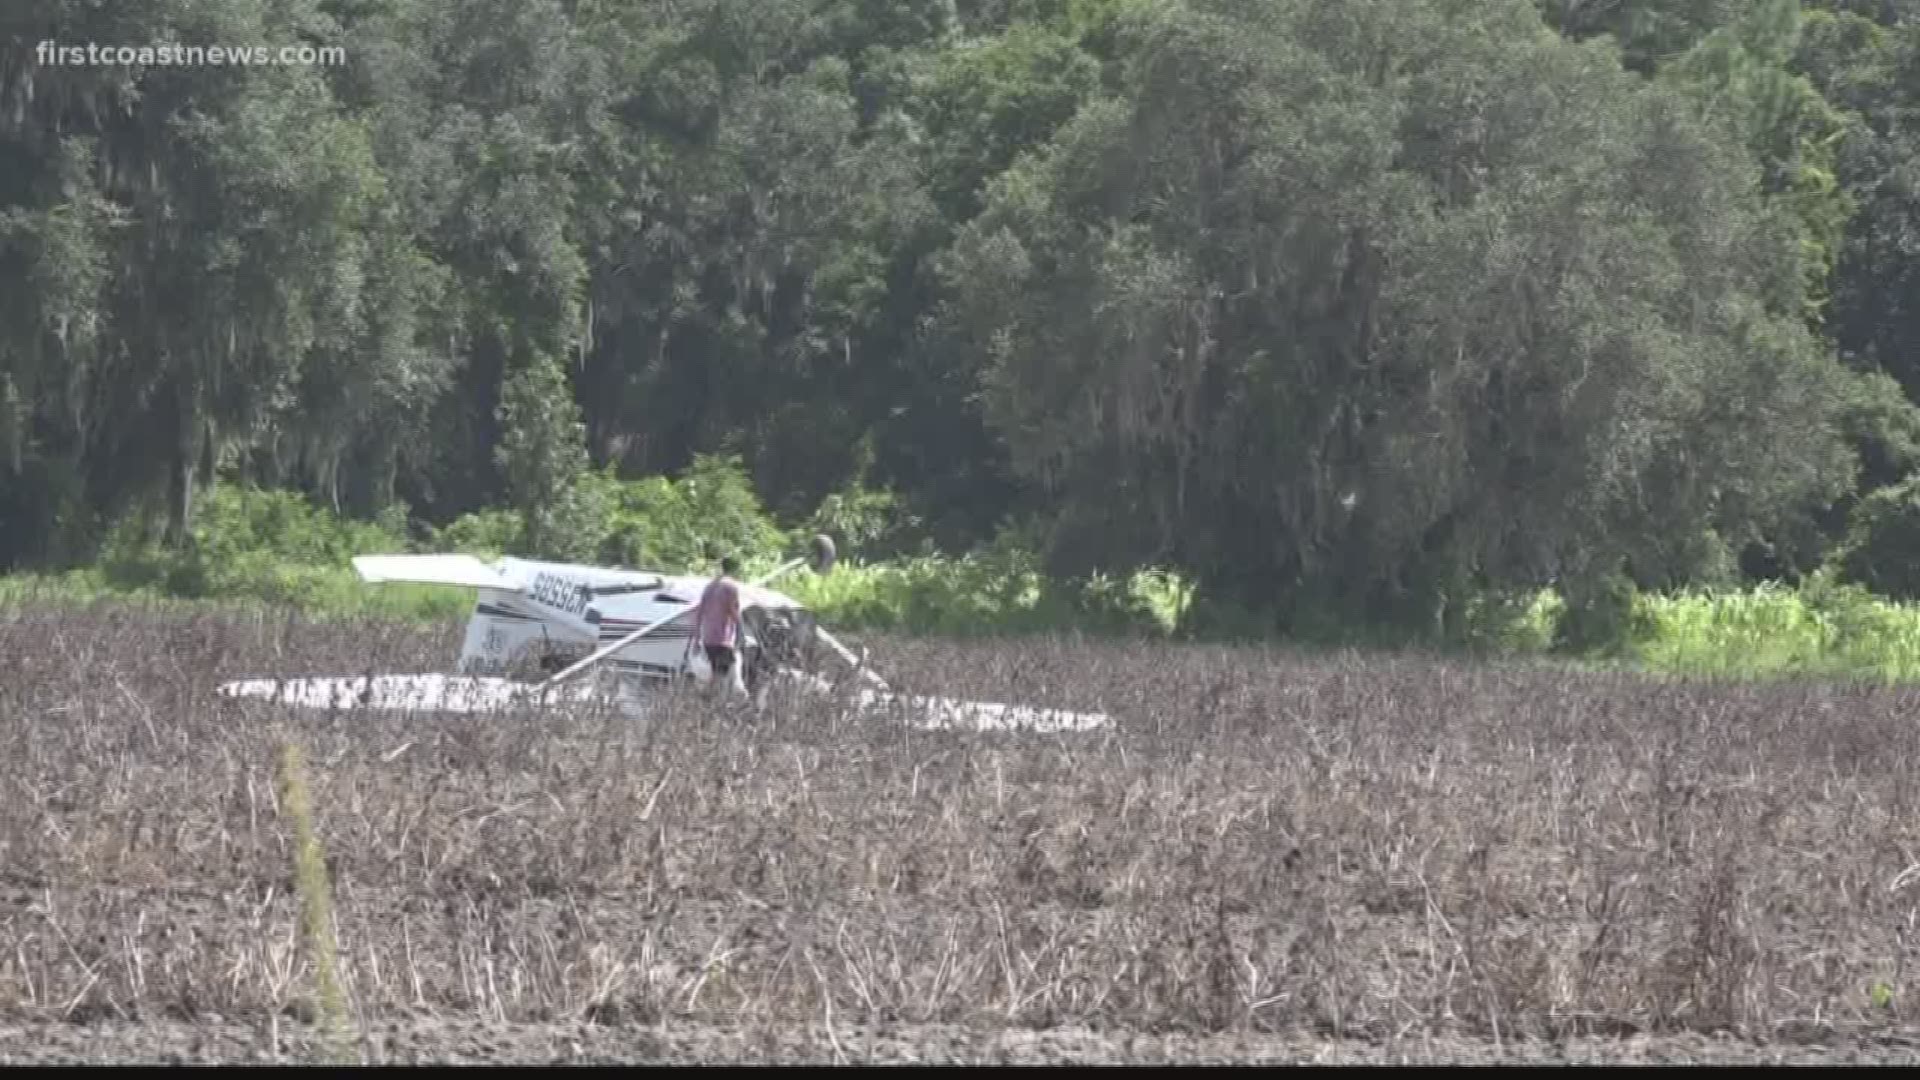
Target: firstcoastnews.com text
54, 54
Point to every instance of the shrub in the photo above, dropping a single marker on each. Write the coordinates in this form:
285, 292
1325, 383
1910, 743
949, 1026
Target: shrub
253, 547
1524, 623
863, 519
1882, 536
242, 539
999, 590
1604, 619
673, 524
685, 523
486, 533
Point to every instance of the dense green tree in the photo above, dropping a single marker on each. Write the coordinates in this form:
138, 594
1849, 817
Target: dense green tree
1812, 89
186, 237
542, 456
1343, 306
1873, 72
1648, 33
741, 249
1743, 72
1377, 301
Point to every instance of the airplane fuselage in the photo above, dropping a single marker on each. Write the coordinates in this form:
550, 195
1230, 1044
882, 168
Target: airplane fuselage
564, 611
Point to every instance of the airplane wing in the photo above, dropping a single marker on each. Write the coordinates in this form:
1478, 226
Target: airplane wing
462, 570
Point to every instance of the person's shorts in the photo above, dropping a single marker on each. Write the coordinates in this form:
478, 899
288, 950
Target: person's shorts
720, 659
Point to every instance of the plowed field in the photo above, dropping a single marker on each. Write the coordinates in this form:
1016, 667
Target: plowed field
1266, 858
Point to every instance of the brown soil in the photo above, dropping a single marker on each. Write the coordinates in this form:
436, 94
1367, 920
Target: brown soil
474, 1042
1271, 858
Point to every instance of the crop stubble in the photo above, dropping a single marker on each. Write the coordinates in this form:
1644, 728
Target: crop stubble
1271, 857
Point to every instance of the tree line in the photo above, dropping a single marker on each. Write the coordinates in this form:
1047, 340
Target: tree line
1355, 306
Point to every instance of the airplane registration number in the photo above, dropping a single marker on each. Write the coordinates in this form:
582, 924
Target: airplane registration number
558, 592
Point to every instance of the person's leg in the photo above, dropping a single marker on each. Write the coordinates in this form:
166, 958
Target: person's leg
727, 671
737, 683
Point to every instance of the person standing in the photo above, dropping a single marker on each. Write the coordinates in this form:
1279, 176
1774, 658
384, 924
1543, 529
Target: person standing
716, 627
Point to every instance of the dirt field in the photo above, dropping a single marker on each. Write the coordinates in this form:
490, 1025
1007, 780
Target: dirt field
1268, 859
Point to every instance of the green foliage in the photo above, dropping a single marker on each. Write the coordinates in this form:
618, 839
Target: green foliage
233, 522
243, 536
1884, 424
543, 457
1605, 620
997, 592
486, 533
1882, 540
986, 102
1351, 376
256, 549
1872, 71
672, 523
1647, 32
1360, 314
684, 524
1825, 628
863, 519
311, 882
274, 547
1743, 71
1520, 624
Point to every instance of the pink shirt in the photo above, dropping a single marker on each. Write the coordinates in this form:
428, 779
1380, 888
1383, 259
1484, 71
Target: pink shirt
718, 614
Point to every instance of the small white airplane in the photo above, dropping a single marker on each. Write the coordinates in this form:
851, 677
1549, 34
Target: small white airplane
562, 619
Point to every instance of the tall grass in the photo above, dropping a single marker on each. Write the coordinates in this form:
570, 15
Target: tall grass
331, 593
964, 597
316, 905
1763, 632
260, 550
1772, 631
989, 595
